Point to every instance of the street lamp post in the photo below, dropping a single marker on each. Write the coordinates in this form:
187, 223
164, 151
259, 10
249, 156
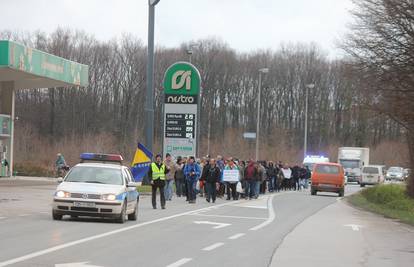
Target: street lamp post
189, 53
305, 142
262, 70
190, 50
149, 98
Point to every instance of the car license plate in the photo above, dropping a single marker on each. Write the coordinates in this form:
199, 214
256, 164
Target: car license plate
326, 185
84, 204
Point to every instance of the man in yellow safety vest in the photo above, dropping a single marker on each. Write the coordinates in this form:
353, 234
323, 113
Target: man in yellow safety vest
157, 173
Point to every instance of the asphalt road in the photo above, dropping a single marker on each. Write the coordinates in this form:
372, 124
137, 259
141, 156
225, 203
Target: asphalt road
227, 233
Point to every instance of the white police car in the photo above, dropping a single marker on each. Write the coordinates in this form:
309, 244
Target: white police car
99, 186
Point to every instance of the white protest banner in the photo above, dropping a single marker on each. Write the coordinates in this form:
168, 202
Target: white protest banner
231, 175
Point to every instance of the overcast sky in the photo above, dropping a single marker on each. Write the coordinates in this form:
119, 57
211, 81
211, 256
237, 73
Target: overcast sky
244, 24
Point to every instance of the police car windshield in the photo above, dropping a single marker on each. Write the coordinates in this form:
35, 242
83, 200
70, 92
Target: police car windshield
98, 175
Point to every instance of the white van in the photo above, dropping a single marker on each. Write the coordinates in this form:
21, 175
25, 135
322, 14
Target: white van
309, 161
372, 174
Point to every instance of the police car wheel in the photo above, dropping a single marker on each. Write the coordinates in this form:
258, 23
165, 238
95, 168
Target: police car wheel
133, 216
122, 216
56, 216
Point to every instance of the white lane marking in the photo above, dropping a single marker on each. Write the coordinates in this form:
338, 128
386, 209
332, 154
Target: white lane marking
94, 237
218, 225
354, 227
271, 215
76, 264
214, 246
233, 237
24, 215
253, 207
228, 216
2, 218
179, 262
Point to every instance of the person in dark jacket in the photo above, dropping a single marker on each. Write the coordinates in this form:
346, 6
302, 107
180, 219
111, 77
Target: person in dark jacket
271, 176
179, 177
211, 177
296, 176
250, 177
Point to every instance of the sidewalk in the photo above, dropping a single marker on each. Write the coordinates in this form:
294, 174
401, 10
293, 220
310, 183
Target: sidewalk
340, 235
28, 178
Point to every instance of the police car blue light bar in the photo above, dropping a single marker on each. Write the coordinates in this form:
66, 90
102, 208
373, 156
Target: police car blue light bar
101, 157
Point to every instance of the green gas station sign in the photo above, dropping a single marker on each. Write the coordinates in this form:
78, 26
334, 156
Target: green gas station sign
181, 109
25, 59
182, 78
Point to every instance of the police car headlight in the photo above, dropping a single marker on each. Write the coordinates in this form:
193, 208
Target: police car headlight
62, 194
110, 197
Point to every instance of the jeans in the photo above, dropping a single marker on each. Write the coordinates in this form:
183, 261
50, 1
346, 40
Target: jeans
257, 188
168, 189
271, 184
158, 183
211, 191
306, 183
179, 187
191, 187
249, 189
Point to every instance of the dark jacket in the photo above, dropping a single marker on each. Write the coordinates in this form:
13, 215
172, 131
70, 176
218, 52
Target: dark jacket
271, 171
179, 172
211, 174
296, 172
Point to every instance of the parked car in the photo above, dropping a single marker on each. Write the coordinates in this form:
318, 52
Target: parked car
407, 173
395, 173
372, 174
328, 177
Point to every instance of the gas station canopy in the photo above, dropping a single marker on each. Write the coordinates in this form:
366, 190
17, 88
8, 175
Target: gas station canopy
23, 67
31, 68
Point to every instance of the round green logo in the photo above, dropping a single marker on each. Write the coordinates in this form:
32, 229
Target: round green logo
182, 78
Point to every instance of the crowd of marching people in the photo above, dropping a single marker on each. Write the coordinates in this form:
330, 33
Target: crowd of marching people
205, 177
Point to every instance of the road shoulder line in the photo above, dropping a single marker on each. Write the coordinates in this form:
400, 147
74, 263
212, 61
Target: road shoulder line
180, 262
94, 237
214, 246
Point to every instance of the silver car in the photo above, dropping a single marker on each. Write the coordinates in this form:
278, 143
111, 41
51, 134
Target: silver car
395, 173
97, 190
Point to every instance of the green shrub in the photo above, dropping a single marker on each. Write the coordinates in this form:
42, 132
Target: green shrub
384, 194
401, 204
389, 200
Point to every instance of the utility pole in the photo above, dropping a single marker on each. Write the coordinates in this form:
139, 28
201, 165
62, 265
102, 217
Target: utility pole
263, 70
149, 97
305, 144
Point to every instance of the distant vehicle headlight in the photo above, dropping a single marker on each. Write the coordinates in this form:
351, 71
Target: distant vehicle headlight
110, 197
61, 193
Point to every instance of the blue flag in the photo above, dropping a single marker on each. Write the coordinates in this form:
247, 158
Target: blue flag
141, 162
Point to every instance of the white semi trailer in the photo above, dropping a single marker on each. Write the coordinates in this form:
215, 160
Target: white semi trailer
353, 159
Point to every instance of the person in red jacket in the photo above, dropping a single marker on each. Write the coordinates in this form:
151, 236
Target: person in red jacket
250, 176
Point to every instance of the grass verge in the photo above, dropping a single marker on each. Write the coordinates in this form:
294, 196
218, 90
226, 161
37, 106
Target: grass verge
389, 200
144, 189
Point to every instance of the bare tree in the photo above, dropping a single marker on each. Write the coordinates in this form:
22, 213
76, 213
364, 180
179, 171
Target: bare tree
381, 44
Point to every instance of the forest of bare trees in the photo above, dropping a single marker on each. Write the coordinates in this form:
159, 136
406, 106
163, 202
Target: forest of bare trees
381, 46
108, 115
